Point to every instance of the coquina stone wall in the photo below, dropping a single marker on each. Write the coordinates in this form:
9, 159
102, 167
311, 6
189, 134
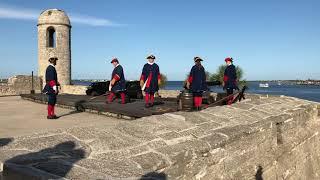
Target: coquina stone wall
73, 89
263, 137
20, 84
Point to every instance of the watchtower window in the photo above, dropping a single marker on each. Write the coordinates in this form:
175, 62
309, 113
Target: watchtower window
51, 37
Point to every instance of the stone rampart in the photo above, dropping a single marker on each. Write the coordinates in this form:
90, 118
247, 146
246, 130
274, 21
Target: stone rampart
73, 89
20, 84
263, 137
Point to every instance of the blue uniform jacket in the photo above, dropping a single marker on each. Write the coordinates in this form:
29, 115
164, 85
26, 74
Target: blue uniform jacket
153, 72
120, 84
51, 75
198, 79
230, 77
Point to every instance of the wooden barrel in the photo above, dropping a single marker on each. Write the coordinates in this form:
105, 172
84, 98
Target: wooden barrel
186, 101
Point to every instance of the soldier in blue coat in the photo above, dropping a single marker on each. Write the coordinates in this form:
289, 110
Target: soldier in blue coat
150, 80
51, 87
117, 83
197, 82
230, 79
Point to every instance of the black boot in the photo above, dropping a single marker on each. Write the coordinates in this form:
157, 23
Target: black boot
147, 106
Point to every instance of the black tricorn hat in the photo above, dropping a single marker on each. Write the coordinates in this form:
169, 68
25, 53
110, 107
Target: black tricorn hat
53, 59
197, 59
114, 60
151, 57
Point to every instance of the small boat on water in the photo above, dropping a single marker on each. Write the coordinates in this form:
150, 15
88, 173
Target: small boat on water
264, 85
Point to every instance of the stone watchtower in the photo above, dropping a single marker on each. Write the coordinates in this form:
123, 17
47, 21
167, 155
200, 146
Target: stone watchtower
54, 40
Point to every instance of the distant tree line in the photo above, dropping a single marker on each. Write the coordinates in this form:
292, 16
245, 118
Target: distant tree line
218, 75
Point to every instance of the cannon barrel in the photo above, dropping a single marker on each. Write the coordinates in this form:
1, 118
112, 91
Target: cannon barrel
209, 83
213, 83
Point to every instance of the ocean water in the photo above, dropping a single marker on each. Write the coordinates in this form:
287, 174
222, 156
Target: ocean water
311, 93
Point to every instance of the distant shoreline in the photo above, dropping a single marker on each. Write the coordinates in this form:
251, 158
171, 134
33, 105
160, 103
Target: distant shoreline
281, 82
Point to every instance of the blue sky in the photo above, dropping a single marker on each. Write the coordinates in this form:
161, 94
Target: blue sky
269, 39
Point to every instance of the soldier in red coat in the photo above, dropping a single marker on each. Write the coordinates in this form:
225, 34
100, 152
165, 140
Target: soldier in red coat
197, 82
51, 87
117, 83
230, 79
150, 80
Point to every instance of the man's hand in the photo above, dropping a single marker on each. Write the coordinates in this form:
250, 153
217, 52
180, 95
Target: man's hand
55, 88
113, 81
141, 83
188, 85
159, 82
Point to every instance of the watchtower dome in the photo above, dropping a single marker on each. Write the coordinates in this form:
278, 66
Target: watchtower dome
54, 40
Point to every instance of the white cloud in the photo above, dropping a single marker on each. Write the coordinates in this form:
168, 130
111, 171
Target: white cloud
92, 21
32, 14
23, 14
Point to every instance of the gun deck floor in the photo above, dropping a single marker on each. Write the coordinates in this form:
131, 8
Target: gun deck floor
131, 110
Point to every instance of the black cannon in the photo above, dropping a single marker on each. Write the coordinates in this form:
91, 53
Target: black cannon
100, 88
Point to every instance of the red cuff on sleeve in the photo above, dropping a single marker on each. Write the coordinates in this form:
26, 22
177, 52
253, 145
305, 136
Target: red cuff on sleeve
116, 77
159, 76
142, 77
225, 78
52, 83
190, 79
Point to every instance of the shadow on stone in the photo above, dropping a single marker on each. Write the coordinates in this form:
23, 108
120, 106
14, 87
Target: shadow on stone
259, 173
79, 105
154, 176
5, 141
70, 113
49, 163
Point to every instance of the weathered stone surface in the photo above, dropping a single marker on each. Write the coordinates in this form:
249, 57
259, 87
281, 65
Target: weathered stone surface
201, 130
195, 117
113, 140
113, 156
234, 132
13, 171
215, 140
170, 135
155, 144
10, 153
123, 168
244, 106
183, 152
137, 131
258, 114
264, 137
150, 161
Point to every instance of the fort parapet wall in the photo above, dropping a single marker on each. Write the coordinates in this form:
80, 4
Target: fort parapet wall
20, 84
263, 137
73, 89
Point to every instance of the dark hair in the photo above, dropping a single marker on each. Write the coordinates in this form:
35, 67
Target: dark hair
53, 59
